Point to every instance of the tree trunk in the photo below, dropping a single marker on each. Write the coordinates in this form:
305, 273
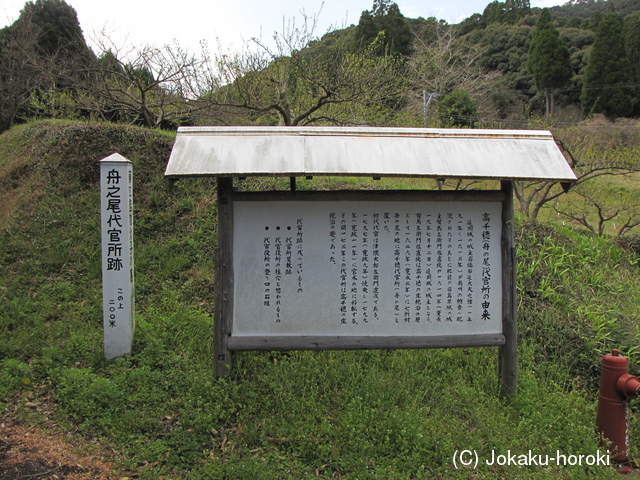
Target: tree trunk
549, 102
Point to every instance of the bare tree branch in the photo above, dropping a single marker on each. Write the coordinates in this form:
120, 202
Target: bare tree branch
145, 85
588, 162
592, 209
442, 61
302, 81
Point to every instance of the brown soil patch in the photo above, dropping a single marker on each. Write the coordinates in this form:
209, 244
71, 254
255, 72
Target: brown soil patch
33, 453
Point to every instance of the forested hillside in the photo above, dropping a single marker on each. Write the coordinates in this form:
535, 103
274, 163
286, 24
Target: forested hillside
386, 70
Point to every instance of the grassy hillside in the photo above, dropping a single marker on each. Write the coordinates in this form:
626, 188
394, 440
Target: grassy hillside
373, 414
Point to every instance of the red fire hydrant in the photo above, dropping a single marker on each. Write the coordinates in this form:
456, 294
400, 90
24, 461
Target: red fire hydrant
616, 387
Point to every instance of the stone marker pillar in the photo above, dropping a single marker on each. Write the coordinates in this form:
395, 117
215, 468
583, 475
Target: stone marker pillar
116, 202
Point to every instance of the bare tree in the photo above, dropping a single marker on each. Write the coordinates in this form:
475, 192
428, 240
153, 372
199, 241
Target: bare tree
587, 161
299, 81
593, 209
532, 196
149, 86
443, 61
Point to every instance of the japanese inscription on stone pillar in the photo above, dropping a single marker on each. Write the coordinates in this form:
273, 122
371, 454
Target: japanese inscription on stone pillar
366, 268
116, 191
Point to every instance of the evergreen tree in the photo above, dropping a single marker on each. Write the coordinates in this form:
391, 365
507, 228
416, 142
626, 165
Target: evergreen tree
366, 31
457, 109
386, 28
594, 20
509, 11
494, 12
380, 7
398, 32
607, 84
43, 56
59, 31
516, 9
549, 60
632, 31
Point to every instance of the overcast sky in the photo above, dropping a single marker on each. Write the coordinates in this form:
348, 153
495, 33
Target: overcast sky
159, 22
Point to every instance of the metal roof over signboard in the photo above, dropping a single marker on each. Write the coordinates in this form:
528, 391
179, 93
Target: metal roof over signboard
368, 151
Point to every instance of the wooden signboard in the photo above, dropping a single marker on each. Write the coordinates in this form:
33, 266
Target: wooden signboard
363, 270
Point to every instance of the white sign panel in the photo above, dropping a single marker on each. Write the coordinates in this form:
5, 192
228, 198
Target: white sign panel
116, 192
366, 268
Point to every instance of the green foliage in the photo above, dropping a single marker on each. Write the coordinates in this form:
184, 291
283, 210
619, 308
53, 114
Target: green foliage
569, 312
51, 104
607, 76
324, 83
43, 55
505, 49
386, 28
47, 70
508, 12
457, 109
57, 25
549, 58
632, 37
584, 10
15, 375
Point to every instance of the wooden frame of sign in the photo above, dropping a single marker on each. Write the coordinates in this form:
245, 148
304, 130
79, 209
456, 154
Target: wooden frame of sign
365, 269
356, 270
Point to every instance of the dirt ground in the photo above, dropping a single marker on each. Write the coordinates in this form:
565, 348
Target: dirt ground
31, 452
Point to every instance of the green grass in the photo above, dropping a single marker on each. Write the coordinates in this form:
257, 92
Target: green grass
352, 415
